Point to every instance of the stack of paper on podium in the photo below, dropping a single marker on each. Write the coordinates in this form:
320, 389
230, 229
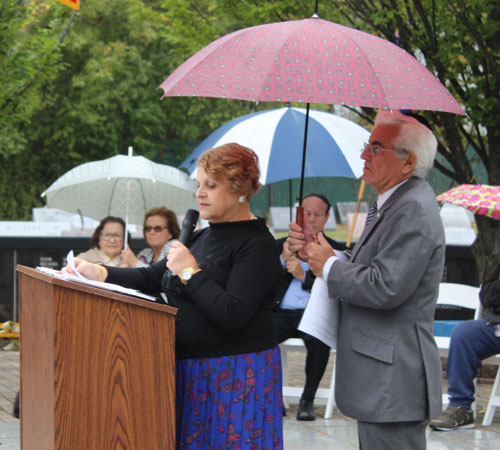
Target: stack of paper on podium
99, 284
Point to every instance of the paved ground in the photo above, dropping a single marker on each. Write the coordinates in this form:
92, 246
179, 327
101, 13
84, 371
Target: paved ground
338, 433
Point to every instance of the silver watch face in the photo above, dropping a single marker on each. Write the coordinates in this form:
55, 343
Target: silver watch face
187, 274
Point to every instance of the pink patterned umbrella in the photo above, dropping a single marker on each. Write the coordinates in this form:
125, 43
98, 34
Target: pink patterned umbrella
310, 61
479, 198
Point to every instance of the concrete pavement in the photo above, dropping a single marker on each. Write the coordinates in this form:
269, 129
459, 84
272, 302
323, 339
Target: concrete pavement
338, 433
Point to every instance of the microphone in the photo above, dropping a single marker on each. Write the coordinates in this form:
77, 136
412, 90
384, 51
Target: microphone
188, 225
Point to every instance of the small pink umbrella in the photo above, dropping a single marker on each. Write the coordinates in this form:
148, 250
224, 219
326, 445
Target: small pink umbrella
310, 61
481, 199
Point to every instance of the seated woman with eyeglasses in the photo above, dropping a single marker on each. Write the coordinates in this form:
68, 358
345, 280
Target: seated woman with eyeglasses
160, 227
106, 243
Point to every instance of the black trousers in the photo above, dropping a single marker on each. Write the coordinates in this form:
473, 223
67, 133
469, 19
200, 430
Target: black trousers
286, 322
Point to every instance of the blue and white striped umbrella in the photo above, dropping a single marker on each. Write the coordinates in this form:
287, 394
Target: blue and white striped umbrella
334, 143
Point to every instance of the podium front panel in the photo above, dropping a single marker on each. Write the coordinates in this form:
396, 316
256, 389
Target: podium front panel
100, 368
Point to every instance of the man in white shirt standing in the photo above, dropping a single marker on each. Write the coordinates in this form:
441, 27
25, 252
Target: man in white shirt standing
293, 296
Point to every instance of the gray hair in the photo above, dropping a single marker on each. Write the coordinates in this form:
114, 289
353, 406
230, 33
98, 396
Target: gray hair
413, 137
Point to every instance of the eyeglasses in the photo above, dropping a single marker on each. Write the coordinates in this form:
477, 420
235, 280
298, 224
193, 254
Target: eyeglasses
375, 149
109, 236
157, 228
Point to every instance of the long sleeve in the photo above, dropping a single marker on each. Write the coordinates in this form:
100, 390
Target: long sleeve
253, 272
146, 279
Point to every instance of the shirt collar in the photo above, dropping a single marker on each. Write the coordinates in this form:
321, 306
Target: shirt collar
382, 198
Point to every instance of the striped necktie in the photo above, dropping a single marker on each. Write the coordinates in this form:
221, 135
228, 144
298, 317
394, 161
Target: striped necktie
371, 212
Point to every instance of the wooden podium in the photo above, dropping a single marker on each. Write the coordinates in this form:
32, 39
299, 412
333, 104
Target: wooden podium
97, 368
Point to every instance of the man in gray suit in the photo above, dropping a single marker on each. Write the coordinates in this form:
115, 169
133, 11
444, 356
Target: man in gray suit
388, 370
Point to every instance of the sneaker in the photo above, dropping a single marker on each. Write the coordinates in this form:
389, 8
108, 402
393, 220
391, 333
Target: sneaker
453, 418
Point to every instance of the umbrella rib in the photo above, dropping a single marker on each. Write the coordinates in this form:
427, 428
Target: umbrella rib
111, 195
143, 196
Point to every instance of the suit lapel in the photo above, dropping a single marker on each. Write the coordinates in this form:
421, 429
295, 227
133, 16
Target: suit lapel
398, 193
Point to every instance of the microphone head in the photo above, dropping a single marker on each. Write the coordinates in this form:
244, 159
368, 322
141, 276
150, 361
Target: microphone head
191, 217
188, 225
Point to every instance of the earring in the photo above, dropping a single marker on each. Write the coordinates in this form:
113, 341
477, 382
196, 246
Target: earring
241, 199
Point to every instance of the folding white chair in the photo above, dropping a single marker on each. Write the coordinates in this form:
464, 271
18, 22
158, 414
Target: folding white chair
322, 395
456, 295
494, 400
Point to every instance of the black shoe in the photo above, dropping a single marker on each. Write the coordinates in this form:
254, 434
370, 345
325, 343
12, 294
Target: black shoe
453, 418
306, 410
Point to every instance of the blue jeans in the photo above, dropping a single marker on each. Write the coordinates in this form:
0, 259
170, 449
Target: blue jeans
471, 342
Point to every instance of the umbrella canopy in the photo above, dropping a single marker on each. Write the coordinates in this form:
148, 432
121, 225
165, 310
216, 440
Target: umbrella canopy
310, 61
481, 199
333, 143
123, 186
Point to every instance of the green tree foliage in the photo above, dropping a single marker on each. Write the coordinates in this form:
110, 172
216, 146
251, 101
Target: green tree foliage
94, 93
31, 38
81, 86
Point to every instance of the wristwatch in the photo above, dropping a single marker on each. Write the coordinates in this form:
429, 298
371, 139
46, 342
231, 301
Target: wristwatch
188, 273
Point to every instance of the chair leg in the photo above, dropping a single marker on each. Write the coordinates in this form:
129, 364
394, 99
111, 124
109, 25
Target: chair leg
474, 403
331, 396
493, 402
284, 372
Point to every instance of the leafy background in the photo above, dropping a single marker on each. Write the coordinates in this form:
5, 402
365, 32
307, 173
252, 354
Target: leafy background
82, 86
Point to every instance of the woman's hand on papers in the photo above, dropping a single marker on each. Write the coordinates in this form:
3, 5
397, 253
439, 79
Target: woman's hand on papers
86, 269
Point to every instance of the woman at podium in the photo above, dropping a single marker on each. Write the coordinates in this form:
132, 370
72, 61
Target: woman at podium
223, 281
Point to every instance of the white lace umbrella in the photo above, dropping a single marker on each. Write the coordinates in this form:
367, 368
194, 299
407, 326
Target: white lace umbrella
122, 186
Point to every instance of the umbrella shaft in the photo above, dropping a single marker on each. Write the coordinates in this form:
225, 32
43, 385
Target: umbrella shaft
304, 149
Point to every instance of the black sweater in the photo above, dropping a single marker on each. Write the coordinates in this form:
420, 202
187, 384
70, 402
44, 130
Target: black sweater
226, 308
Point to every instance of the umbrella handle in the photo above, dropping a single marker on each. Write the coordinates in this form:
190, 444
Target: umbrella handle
306, 228
356, 211
299, 216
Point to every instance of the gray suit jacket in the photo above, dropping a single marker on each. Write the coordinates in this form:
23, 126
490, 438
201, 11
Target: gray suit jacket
388, 367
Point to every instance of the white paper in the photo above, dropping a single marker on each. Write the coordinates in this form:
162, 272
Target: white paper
70, 257
100, 284
321, 316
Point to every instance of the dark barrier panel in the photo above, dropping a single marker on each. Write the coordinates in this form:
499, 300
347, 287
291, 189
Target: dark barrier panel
32, 252
51, 252
459, 266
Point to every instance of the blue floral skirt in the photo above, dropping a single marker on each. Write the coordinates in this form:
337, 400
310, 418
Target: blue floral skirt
230, 402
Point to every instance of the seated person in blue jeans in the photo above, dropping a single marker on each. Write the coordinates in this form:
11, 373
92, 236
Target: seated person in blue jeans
293, 296
471, 342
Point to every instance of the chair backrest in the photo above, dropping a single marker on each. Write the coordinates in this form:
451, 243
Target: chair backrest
349, 207
455, 300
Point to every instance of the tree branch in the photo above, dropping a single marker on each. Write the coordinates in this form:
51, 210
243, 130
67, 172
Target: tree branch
445, 170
